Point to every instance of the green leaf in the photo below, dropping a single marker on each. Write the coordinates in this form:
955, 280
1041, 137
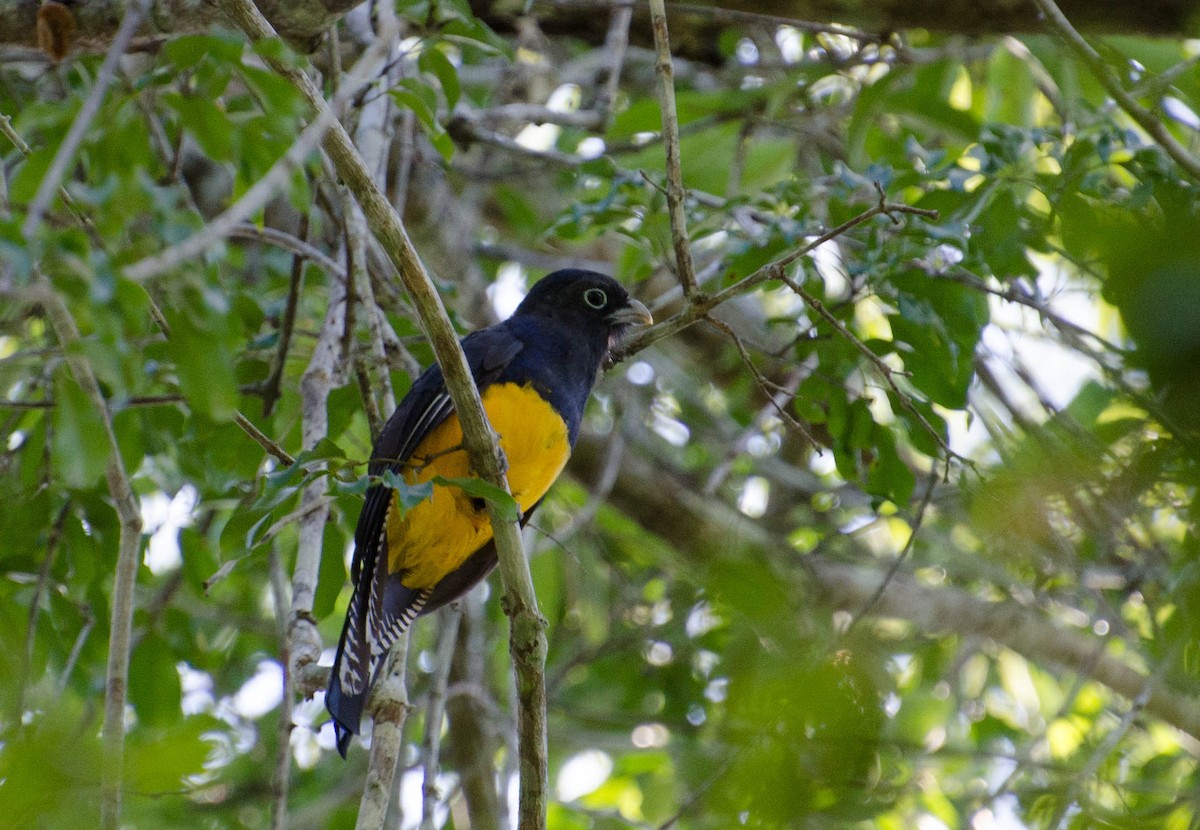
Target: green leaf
410, 494
161, 761
154, 687
332, 575
204, 364
188, 51
79, 446
435, 62
477, 488
207, 122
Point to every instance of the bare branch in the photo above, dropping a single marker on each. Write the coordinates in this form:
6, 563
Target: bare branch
684, 269
283, 751
435, 709
388, 707
288, 242
777, 397
270, 392
894, 568
262, 439
325, 370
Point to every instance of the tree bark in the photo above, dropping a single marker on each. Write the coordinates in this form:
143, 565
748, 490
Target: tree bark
695, 27
300, 22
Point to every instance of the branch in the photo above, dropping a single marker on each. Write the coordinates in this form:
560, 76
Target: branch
263, 190
263, 440
134, 11
701, 304
288, 242
324, 372
298, 21
388, 707
1058, 23
670, 122
471, 734
287, 324
885, 371
121, 625
528, 637
435, 709
693, 521
466, 127
283, 751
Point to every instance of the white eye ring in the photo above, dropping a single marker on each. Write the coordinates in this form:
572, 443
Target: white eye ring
595, 297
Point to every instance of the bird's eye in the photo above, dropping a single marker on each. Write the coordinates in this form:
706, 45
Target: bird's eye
595, 297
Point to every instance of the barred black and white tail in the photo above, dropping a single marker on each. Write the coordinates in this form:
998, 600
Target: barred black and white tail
381, 609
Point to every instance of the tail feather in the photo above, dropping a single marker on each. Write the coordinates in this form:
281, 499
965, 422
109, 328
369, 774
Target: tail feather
381, 609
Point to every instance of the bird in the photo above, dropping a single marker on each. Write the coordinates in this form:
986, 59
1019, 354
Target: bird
535, 372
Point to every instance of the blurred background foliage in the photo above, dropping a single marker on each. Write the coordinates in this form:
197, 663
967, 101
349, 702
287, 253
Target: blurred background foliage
1004, 419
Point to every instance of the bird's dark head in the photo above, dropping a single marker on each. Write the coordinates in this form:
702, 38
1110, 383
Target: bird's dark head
591, 303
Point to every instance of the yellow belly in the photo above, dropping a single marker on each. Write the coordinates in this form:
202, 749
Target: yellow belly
437, 535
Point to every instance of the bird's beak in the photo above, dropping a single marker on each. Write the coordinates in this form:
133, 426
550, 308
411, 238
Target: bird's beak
633, 313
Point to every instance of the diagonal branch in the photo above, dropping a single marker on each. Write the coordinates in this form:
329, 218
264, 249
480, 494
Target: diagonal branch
701, 304
263, 190
1148, 121
134, 12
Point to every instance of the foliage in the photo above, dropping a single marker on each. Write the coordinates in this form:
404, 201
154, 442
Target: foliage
1027, 410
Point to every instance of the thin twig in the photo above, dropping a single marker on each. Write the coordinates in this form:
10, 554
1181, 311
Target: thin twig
134, 12
287, 324
263, 440
294, 244
125, 577
89, 622
918, 518
435, 709
684, 269
581, 518
777, 399
35, 602
1148, 121
466, 126
616, 43
283, 751
885, 371
701, 304
764, 385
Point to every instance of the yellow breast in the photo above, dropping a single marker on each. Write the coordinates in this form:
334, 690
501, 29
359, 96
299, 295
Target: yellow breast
436, 537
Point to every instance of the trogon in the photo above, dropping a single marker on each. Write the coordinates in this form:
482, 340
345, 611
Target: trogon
534, 371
